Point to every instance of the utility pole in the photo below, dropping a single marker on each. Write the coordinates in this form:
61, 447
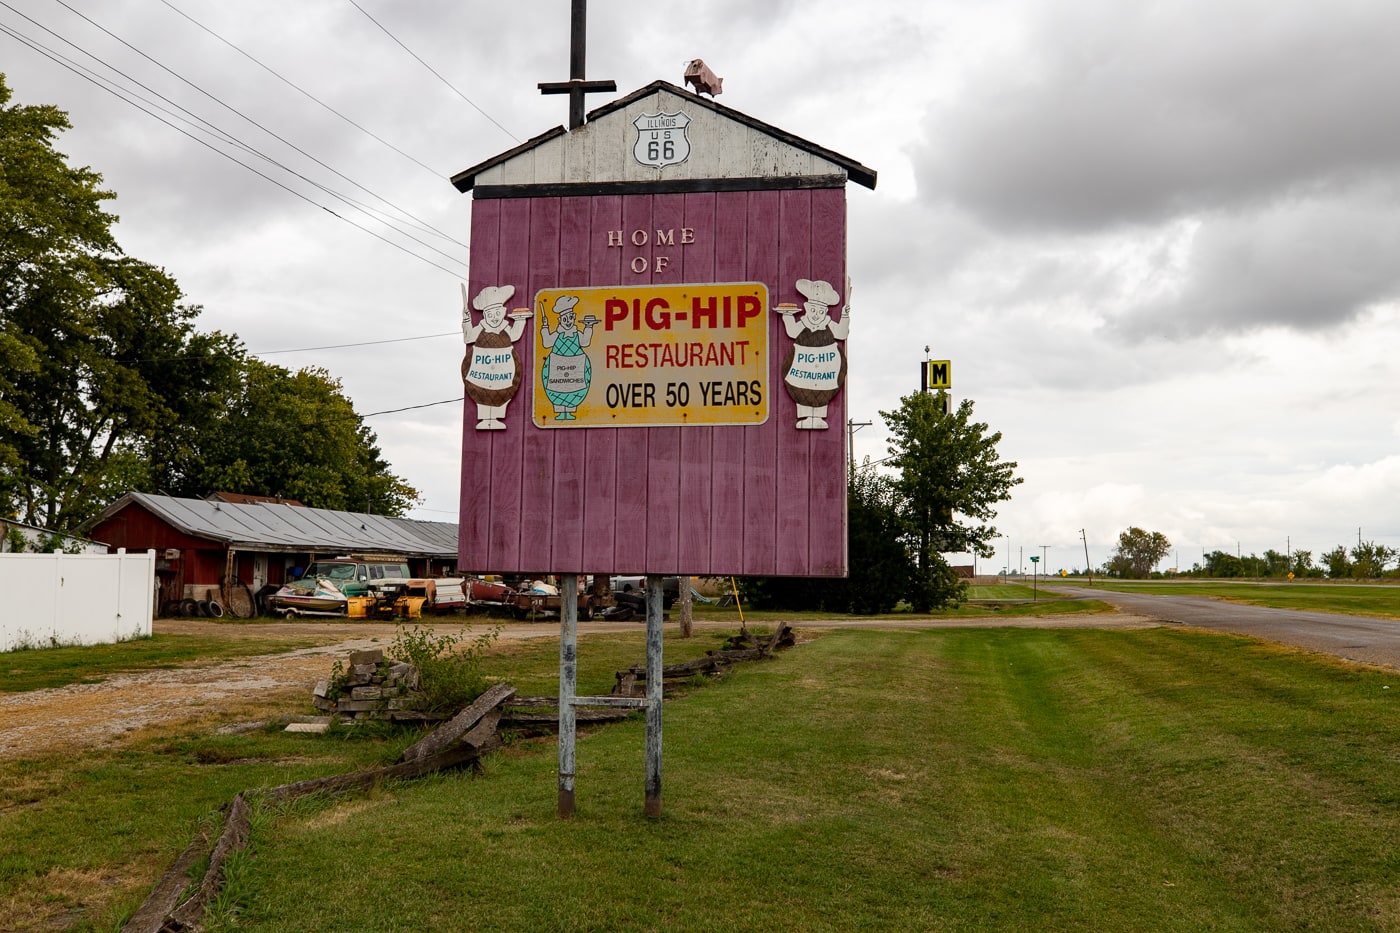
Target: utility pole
1045, 556
1088, 567
851, 428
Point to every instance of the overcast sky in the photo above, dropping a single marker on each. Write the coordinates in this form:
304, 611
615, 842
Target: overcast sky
1158, 241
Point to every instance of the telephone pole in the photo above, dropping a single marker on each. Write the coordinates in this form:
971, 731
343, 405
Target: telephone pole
851, 428
1088, 568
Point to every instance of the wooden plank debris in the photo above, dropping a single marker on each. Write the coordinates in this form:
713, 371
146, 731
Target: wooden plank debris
458, 725
631, 681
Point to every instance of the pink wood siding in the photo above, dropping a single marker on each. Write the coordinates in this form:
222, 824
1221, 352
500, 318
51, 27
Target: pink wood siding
758, 499
760, 480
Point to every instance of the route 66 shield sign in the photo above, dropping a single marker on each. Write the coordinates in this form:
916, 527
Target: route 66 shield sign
661, 139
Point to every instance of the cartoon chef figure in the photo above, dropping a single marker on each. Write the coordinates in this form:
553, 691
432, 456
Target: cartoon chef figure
815, 368
566, 372
491, 369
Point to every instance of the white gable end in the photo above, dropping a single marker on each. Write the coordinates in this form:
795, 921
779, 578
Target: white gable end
604, 150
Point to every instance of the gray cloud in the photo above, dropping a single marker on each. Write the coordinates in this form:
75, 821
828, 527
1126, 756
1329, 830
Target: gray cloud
1118, 113
1307, 265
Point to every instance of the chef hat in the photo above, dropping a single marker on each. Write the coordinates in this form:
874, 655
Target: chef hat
820, 292
493, 296
565, 303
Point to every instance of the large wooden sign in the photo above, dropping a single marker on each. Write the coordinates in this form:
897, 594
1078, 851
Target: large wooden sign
655, 325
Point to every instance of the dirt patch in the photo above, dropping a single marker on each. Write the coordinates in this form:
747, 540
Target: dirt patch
88, 715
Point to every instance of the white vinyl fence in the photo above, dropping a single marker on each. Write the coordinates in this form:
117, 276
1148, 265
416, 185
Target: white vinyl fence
75, 599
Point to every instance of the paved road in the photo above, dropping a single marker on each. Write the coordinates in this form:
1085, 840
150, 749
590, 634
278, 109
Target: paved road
1355, 638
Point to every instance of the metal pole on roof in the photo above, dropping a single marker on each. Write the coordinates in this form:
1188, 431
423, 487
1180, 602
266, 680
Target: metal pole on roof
578, 42
577, 86
568, 688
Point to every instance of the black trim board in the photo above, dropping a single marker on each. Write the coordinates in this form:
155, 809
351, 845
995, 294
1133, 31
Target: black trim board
465, 180
675, 186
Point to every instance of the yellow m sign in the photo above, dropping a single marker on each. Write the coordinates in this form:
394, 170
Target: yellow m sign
938, 374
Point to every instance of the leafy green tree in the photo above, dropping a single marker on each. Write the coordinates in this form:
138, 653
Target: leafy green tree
950, 479
92, 338
1369, 560
296, 435
880, 563
106, 385
1276, 564
1337, 562
1223, 564
1137, 553
16, 359
1301, 565
881, 566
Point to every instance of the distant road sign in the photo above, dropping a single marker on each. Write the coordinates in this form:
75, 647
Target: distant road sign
1035, 559
936, 374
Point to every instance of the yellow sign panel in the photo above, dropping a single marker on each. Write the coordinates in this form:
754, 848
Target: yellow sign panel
651, 355
938, 374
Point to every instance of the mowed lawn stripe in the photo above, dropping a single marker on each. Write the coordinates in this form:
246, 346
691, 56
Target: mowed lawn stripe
1068, 835
945, 779
1277, 769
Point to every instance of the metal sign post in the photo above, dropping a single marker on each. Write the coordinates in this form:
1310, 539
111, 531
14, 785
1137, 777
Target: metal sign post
655, 606
570, 701
568, 686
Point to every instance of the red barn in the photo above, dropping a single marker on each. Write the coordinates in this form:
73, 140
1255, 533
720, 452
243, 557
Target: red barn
202, 543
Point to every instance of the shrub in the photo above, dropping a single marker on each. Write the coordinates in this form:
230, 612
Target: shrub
449, 666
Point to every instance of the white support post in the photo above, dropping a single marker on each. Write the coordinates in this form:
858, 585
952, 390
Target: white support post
654, 695
121, 576
568, 688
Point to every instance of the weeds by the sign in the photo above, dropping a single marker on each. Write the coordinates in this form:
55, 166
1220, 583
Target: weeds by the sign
449, 665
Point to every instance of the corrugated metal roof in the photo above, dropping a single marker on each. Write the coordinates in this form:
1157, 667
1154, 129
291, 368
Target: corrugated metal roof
273, 526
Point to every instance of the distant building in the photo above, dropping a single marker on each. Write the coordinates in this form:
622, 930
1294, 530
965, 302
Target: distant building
18, 537
231, 550
244, 498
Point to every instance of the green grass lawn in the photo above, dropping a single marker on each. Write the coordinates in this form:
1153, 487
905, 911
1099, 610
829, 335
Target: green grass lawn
955, 779
39, 668
965, 781
1354, 598
982, 600
941, 779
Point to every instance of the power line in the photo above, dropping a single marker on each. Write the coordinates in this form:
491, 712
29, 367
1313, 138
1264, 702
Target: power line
307, 94
338, 346
341, 346
248, 119
82, 72
209, 128
194, 118
394, 411
424, 508
433, 70
355, 416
